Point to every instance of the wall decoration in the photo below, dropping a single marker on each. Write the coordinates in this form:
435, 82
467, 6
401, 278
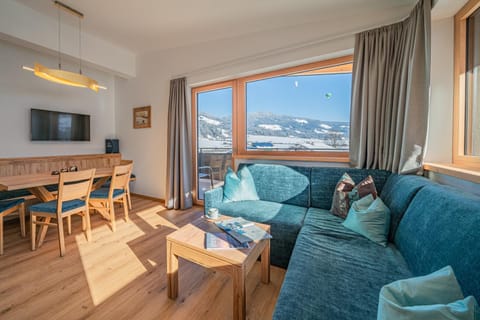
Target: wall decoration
142, 117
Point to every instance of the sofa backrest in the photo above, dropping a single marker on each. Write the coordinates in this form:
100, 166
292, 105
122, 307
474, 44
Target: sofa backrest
397, 193
324, 180
441, 227
283, 184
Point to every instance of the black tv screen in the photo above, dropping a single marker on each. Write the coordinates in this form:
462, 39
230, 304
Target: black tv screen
59, 126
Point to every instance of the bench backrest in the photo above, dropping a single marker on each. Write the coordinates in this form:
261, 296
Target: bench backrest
34, 165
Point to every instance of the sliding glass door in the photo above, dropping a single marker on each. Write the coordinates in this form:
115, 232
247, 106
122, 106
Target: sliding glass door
213, 126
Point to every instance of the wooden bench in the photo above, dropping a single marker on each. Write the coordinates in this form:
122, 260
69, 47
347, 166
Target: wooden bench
41, 165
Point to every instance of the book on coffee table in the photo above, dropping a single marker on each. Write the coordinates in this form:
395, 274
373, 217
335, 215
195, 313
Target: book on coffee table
243, 230
222, 240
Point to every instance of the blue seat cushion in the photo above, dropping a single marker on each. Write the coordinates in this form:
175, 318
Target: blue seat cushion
102, 193
5, 195
7, 204
440, 228
51, 206
335, 273
285, 222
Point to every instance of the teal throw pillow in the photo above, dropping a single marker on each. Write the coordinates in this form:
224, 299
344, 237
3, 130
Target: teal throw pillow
435, 296
239, 186
369, 217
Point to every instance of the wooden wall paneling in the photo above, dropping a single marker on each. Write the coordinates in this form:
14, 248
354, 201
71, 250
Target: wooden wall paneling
38, 165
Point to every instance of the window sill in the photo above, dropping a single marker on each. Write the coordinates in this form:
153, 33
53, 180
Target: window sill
453, 170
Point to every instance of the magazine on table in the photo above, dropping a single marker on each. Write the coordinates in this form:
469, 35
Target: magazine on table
222, 240
243, 230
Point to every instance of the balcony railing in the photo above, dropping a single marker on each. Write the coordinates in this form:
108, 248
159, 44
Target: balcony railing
212, 166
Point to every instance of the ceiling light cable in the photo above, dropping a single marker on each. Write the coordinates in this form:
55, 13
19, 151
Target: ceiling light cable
62, 76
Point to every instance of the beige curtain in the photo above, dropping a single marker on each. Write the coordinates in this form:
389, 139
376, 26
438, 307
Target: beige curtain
179, 159
390, 94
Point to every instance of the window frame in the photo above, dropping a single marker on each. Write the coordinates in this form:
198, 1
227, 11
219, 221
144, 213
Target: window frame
239, 123
195, 91
459, 157
241, 115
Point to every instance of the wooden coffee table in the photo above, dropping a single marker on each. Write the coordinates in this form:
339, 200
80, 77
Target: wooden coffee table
189, 243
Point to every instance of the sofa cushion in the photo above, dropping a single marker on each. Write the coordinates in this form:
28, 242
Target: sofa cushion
324, 180
397, 194
439, 228
239, 186
335, 273
433, 296
285, 222
283, 184
340, 200
370, 218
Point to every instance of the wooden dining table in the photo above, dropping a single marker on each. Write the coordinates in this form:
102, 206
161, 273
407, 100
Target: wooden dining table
37, 184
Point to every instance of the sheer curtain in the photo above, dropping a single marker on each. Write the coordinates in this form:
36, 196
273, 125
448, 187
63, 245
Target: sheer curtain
179, 157
390, 94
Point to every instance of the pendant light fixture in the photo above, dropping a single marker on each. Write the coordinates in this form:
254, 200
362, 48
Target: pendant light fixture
62, 76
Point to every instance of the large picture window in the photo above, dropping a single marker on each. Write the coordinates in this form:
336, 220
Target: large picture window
306, 111
298, 113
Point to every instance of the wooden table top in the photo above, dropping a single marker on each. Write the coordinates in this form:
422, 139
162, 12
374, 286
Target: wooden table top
192, 236
9, 183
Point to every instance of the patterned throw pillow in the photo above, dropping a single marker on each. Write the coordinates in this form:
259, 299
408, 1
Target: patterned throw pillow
346, 193
340, 203
364, 188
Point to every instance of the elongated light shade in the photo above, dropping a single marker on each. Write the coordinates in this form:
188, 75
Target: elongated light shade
64, 77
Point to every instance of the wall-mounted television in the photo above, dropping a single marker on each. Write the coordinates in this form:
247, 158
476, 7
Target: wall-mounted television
59, 126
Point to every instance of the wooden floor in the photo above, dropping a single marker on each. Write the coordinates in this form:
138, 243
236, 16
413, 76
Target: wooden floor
119, 275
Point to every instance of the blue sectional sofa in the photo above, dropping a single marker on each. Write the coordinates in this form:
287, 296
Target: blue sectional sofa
334, 273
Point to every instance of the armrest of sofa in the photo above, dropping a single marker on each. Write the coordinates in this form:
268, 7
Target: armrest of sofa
213, 198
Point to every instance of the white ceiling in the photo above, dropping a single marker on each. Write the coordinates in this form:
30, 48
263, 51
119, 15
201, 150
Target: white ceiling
150, 25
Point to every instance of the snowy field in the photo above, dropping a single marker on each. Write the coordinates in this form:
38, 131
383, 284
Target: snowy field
277, 142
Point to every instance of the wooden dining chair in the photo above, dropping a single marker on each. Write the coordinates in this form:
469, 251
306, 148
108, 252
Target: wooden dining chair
129, 198
103, 199
10, 206
73, 194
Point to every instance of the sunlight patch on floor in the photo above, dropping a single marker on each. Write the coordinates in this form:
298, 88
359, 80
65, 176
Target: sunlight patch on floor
151, 217
103, 268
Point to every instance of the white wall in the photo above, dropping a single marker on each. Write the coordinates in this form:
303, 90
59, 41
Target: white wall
20, 90
231, 58
28, 27
440, 132
203, 63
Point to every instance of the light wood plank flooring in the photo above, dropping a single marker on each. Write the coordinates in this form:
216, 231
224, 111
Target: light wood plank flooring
119, 275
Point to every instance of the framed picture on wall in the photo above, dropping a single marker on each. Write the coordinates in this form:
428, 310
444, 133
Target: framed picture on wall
142, 117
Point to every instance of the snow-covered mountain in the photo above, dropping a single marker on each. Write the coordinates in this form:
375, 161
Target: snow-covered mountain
269, 124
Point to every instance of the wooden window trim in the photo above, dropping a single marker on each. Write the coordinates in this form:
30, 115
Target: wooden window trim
460, 42
239, 125
195, 91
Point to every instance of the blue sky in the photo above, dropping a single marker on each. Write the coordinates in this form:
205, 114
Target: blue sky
325, 97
